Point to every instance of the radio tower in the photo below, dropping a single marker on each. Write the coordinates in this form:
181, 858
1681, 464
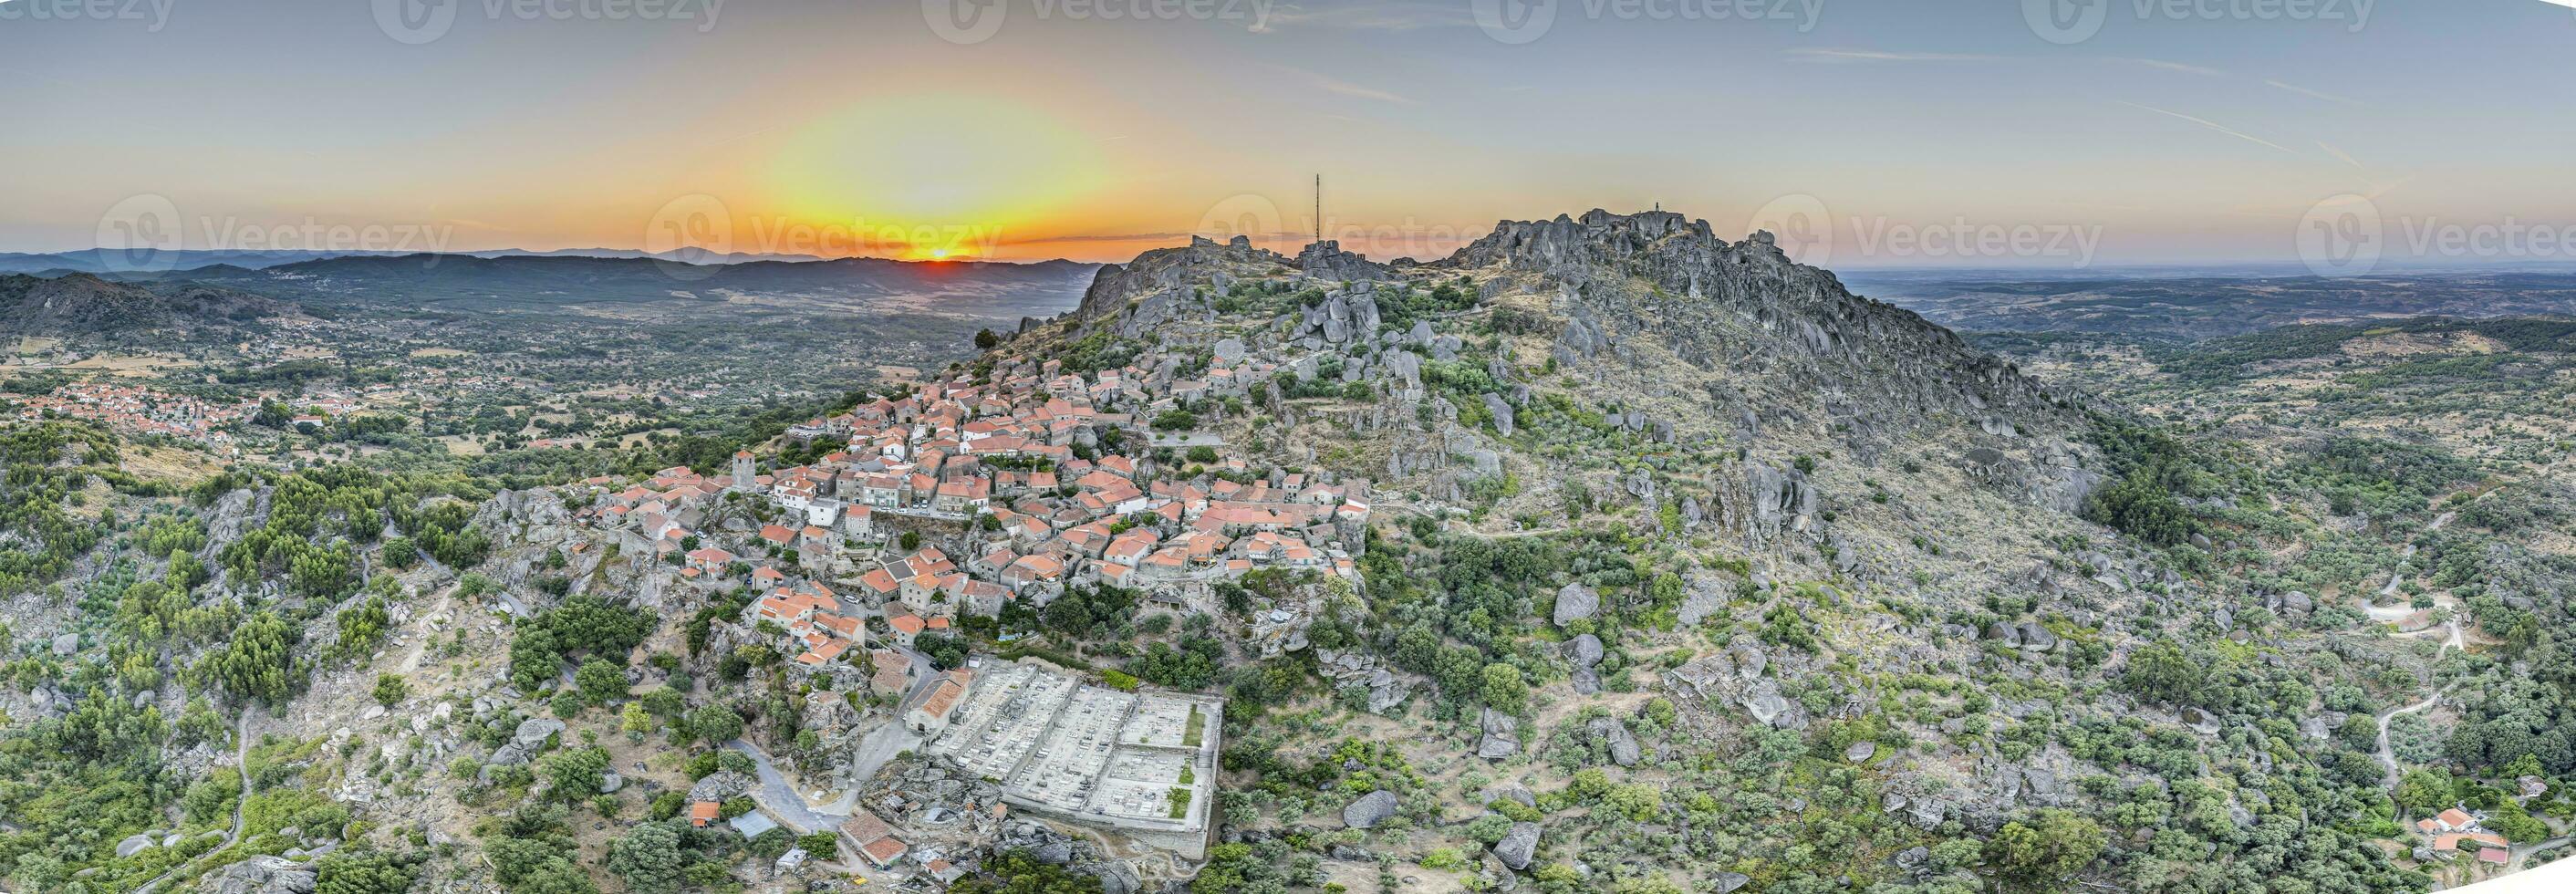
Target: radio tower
1319, 209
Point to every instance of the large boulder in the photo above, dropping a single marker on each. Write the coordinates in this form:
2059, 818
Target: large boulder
1623, 744
265, 874
1576, 602
1116, 876
1502, 736
1584, 651
525, 742
1371, 809
1502, 413
1518, 845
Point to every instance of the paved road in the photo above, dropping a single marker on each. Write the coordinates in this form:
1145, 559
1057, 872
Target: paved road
878, 747
241, 764
2523, 852
781, 799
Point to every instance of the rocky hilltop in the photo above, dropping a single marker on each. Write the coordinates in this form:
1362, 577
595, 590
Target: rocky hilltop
1693, 337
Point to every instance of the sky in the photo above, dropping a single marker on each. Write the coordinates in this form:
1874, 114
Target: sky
1993, 133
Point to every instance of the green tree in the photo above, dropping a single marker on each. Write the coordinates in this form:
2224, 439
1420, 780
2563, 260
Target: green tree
2162, 671
600, 681
391, 690
716, 724
1505, 689
2044, 855
576, 773
38, 872
1016, 871
634, 721
256, 663
648, 858
364, 872
823, 845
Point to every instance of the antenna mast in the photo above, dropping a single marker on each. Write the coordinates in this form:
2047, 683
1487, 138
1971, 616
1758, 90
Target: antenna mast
1319, 208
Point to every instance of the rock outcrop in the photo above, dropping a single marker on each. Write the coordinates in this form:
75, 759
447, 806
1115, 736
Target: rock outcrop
265, 875
1518, 846
1371, 809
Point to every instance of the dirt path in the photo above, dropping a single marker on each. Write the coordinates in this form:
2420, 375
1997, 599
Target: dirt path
241, 764
2388, 758
445, 608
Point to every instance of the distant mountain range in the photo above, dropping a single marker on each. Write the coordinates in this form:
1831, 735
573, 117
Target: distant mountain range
2191, 305
639, 287
108, 261
473, 283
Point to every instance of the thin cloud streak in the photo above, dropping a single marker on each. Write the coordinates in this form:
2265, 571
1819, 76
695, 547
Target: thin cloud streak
1345, 88
2212, 125
2185, 68
1393, 18
1837, 56
2314, 94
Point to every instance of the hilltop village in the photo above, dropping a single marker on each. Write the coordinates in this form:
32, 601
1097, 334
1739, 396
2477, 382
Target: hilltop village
972, 501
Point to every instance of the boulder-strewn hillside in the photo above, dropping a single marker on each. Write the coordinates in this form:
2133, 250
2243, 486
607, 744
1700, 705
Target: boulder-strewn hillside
1702, 497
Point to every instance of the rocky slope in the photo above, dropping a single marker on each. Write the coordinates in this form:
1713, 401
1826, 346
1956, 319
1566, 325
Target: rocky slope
1814, 506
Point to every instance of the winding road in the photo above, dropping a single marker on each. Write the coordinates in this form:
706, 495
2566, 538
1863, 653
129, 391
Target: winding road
2387, 757
241, 764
